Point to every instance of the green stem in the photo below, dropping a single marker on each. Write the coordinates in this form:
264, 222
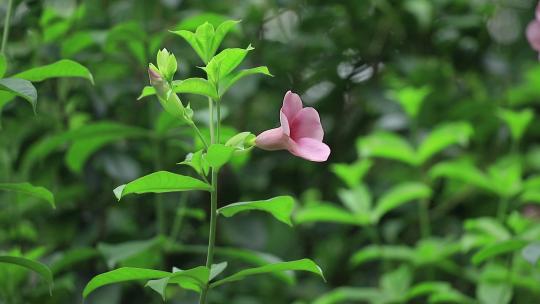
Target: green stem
6, 27
198, 132
502, 209
423, 215
214, 138
160, 211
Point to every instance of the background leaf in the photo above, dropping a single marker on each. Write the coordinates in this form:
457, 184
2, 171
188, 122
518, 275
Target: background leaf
29, 189
60, 69
160, 182
280, 207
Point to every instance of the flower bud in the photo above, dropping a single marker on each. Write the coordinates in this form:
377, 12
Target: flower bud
167, 64
168, 99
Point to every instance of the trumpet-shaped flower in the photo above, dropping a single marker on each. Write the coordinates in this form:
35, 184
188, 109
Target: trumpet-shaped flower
533, 31
300, 133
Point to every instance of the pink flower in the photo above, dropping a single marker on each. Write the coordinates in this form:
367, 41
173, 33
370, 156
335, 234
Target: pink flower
300, 133
533, 31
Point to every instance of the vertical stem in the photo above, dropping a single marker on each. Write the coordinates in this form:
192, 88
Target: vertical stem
502, 209
423, 214
6, 27
214, 138
160, 211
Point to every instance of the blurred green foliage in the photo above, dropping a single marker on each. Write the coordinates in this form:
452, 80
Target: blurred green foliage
430, 194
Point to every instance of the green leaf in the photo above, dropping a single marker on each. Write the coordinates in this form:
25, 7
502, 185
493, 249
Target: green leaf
325, 212
35, 266
115, 253
358, 200
351, 294
120, 275
498, 249
191, 23
29, 189
67, 259
462, 170
443, 136
352, 174
20, 87
397, 282
92, 136
517, 121
280, 207
491, 292
197, 162
400, 195
411, 98
102, 134
191, 38
427, 288
298, 265
387, 145
506, 176
226, 83
216, 270
161, 182
488, 226
221, 32
386, 252
193, 279
218, 155
242, 141
60, 69
531, 253
199, 86
225, 62
3, 65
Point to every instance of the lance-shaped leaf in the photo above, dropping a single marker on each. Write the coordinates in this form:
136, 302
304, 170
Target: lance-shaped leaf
226, 83
498, 249
400, 195
442, 137
328, 213
225, 62
199, 86
386, 145
517, 121
35, 266
352, 174
120, 275
461, 170
218, 155
220, 33
192, 279
29, 189
19, 87
217, 269
386, 252
115, 253
160, 182
280, 207
351, 294
60, 69
298, 265
411, 98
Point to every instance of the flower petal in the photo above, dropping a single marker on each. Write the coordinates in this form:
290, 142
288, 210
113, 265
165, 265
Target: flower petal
284, 123
273, 139
310, 149
533, 34
307, 124
292, 104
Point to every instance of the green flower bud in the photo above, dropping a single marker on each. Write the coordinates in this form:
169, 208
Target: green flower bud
167, 64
